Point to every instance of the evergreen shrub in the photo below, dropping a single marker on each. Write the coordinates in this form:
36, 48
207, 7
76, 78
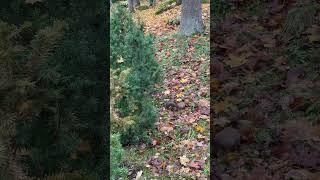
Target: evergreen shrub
134, 73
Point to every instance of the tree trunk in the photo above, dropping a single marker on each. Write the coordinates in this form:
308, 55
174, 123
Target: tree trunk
191, 17
178, 2
152, 2
136, 3
130, 5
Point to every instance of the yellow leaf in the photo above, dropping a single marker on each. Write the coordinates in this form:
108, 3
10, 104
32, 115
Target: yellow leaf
199, 128
188, 87
232, 156
236, 61
222, 106
73, 156
259, 28
215, 84
184, 80
179, 95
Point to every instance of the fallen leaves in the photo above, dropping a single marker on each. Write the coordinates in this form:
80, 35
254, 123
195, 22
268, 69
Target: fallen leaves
197, 164
184, 106
314, 33
204, 103
222, 121
179, 95
166, 127
236, 60
184, 160
167, 92
268, 41
155, 142
199, 128
259, 81
227, 139
138, 176
222, 106
184, 80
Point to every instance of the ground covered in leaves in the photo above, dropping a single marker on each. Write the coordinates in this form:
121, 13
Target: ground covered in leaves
180, 142
265, 86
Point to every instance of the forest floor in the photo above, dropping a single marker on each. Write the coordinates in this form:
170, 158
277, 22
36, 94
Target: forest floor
180, 141
265, 85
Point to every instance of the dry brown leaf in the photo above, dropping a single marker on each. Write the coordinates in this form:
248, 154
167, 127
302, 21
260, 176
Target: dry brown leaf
184, 160
236, 60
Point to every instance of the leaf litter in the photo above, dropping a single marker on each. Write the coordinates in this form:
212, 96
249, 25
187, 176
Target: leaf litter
180, 142
262, 85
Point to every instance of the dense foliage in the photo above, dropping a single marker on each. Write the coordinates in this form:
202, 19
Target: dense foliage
117, 151
53, 71
134, 72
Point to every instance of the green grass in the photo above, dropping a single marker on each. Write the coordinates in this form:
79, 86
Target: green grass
142, 7
138, 160
207, 168
205, 1
178, 53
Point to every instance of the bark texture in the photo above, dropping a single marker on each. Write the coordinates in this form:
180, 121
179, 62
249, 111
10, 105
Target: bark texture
130, 5
152, 2
136, 3
191, 17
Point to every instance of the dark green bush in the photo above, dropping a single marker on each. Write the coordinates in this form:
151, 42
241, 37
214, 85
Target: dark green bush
135, 72
219, 9
117, 169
